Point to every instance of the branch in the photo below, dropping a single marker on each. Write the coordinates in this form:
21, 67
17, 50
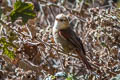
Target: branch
45, 3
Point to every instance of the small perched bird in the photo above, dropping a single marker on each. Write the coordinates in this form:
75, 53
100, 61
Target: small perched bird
64, 35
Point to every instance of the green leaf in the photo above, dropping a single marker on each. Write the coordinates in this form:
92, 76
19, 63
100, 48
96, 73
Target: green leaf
103, 44
9, 53
3, 40
5, 46
71, 77
53, 77
24, 10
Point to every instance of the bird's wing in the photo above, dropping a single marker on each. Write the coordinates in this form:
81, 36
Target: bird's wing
70, 35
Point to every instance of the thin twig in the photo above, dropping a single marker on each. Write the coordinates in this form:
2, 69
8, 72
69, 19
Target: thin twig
44, 3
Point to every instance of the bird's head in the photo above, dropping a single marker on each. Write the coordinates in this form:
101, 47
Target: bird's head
61, 22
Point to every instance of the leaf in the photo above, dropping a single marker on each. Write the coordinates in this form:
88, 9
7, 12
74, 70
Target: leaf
24, 10
5, 49
71, 77
49, 77
103, 44
9, 53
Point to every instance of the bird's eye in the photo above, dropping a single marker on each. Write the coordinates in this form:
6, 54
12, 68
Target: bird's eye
62, 20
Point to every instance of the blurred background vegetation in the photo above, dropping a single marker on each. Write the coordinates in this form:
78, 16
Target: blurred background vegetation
28, 51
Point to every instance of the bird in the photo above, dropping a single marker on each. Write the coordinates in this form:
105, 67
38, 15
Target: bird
64, 35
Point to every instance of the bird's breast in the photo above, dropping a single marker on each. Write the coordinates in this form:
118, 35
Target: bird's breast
64, 43
58, 38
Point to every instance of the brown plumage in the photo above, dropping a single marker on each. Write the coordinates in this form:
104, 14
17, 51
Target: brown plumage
64, 35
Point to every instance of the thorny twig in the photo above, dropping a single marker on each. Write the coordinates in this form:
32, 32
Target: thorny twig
44, 3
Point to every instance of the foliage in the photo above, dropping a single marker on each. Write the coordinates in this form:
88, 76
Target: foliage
22, 9
5, 47
28, 52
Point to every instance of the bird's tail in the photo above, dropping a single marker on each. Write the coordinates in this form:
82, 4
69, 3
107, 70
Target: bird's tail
84, 59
